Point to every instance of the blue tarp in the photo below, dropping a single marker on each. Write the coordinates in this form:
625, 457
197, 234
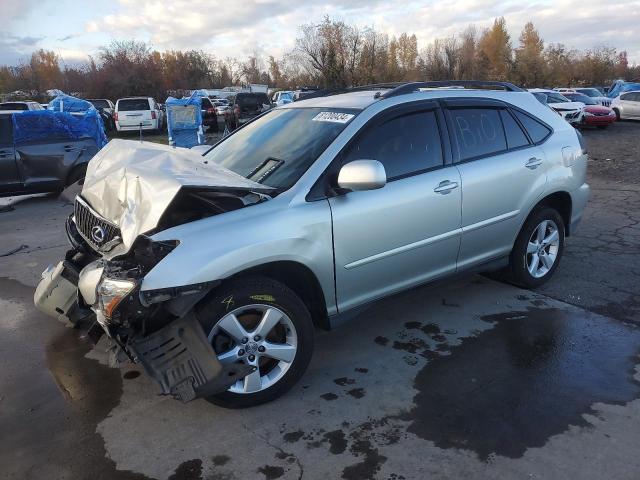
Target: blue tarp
38, 125
620, 86
184, 120
70, 104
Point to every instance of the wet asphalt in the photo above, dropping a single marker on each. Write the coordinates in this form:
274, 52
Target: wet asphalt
470, 378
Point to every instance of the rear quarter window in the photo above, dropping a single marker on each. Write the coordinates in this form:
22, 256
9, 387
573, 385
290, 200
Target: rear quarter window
537, 131
515, 135
478, 132
131, 104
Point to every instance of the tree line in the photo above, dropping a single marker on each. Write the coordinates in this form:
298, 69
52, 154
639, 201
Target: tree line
330, 54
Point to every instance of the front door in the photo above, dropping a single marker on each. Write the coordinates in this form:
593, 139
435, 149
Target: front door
407, 232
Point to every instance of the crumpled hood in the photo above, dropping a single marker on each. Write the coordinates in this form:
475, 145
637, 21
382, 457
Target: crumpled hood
132, 183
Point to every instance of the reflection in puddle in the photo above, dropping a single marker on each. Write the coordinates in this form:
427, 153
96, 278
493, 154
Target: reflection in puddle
531, 376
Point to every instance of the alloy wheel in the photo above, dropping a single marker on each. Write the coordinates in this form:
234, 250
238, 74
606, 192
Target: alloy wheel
542, 249
259, 335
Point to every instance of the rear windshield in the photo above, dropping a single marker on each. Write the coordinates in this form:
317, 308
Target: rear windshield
252, 99
130, 104
100, 103
278, 147
14, 106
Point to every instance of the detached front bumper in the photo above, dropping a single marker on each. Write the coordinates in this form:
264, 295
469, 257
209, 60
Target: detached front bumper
178, 355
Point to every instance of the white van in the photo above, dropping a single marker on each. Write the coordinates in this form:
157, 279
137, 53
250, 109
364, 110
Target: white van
135, 113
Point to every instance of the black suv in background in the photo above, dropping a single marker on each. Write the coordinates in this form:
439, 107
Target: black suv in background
244, 107
43, 165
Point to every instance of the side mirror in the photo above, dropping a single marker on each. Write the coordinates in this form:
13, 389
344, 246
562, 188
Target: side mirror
362, 175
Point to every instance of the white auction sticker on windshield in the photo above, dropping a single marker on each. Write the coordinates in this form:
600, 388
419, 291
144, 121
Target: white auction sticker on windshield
335, 117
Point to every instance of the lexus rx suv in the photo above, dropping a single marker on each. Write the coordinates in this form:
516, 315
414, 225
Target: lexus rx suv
214, 270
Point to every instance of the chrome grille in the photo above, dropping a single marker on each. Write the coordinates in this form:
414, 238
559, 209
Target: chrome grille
94, 229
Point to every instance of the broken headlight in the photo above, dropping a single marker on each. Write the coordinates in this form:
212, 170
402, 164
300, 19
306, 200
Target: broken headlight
111, 292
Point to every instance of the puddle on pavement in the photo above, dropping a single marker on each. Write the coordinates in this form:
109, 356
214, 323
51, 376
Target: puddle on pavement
91, 391
531, 376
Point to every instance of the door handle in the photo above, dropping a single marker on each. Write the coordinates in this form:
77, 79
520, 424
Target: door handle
445, 187
533, 163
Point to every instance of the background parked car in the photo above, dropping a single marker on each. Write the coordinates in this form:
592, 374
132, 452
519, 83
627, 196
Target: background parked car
20, 106
209, 114
106, 109
41, 165
594, 113
135, 113
246, 106
222, 105
627, 106
590, 92
283, 97
571, 111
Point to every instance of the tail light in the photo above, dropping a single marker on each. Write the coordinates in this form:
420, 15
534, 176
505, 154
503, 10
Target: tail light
115, 116
211, 110
236, 110
153, 114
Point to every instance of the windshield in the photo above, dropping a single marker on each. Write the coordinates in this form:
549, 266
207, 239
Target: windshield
100, 103
555, 97
578, 97
132, 104
589, 92
278, 147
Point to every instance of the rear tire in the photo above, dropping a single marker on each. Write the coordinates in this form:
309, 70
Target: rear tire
617, 112
538, 249
251, 298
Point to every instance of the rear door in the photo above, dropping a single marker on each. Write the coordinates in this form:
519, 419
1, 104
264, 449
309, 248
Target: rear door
634, 104
134, 111
407, 232
503, 173
10, 180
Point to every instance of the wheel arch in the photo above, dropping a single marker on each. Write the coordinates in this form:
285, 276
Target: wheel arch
299, 278
562, 203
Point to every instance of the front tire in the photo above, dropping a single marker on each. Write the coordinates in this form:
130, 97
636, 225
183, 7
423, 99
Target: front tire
538, 249
260, 322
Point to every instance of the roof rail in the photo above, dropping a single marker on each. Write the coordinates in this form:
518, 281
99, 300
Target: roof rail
413, 86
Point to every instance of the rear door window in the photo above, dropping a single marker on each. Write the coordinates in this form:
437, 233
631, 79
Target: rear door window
515, 136
6, 129
405, 145
536, 130
132, 104
478, 132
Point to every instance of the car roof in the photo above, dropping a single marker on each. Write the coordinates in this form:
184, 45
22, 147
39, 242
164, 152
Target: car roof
361, 99
134, 98
541, 90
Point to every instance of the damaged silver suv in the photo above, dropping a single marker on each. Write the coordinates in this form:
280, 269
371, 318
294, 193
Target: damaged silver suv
213, 271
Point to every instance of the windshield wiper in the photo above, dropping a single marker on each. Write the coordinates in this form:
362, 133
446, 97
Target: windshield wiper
264, 169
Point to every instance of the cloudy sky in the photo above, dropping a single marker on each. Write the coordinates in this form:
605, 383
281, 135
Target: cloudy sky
239, 27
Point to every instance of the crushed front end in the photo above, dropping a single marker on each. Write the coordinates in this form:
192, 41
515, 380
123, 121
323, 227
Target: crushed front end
157, 329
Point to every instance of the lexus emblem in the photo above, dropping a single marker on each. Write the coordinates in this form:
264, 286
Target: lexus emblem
98, 233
